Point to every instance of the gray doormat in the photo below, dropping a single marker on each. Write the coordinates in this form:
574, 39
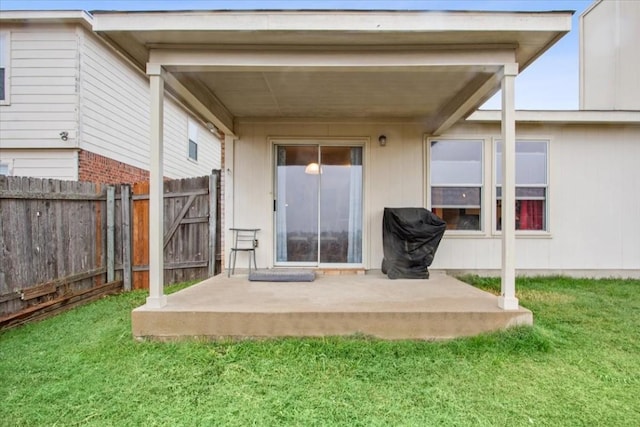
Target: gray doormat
282, 275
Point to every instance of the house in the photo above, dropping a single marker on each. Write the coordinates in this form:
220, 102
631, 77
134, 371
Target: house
330, 116
72, 107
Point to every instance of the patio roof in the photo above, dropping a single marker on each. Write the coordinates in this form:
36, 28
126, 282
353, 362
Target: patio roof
436, 67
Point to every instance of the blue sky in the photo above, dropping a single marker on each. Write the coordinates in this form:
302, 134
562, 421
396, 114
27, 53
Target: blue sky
549, 83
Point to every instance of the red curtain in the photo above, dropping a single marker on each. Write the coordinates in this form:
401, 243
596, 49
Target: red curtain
531, 215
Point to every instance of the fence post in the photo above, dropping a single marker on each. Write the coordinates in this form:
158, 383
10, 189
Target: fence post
213, 210
125, 197
111, 222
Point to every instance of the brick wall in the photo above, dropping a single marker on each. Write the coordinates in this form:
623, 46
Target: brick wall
95, 168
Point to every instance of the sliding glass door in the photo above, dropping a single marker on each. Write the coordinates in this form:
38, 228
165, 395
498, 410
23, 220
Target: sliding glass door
318, 205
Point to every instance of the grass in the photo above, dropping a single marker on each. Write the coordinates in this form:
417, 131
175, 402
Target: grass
579, 365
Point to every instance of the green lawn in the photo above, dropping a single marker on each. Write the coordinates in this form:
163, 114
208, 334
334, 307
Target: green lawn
579, 365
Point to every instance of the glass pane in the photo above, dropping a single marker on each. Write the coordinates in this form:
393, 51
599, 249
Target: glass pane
297, 204
2, 80
456, 162
530, 215
459, 218
455, 196
526, 193
193, 150
341, 205
531, 162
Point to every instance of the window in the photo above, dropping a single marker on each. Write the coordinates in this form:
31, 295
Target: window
4, 169
193, 140
531, 185
456, 182
4, 67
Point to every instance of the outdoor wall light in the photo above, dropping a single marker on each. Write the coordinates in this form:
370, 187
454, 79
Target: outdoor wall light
382, 139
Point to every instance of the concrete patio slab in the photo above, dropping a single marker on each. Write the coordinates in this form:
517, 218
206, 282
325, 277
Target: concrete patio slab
439, 308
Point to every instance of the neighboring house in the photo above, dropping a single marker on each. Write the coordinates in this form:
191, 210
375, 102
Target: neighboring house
73, 108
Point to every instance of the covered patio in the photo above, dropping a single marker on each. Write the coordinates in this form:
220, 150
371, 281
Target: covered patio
268, 80
369, 304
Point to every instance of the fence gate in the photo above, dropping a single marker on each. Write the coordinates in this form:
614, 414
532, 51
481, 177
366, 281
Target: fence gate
191, 225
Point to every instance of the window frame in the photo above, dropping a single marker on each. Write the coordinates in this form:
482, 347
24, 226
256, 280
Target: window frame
485, 145
5, 62
192, 138
494, 199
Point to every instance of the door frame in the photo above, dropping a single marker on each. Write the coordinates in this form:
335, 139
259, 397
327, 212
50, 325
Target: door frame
363, 142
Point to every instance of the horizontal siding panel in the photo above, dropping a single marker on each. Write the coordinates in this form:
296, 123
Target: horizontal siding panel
44, 44
98, 76
34, 162
43, 63
43, 34
37, 108
115, 106
111, 131
44, 80
95, 115
177, 162
43, 72
37, 99
42, 90
23, 144
44, 99
57, 54
101, 101
44, 171
129, 148
10, 125
18, 116
57, 164
30, 134
40, 154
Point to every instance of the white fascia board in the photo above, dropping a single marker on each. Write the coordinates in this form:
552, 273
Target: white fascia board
47, 16
201, 60
376, 21
558, 116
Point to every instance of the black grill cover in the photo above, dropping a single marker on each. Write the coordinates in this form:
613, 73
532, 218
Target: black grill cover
410, 237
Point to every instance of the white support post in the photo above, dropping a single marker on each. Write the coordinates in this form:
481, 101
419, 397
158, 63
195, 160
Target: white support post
229, 149
157, 298
507, 299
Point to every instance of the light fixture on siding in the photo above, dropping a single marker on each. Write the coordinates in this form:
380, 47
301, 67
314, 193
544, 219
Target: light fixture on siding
382, 140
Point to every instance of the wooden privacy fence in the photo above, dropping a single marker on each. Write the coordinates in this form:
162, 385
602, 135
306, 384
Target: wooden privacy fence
63, 243
190, 230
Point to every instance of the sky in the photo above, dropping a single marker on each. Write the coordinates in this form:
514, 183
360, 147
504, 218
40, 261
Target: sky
550, 83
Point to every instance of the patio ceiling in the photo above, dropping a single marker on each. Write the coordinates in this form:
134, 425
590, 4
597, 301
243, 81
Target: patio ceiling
436, 67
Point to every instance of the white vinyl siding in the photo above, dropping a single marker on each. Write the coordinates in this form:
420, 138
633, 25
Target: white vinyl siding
5, 67
193, 141
115, 120
42, 88
114, 105
54, 164
176, 134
